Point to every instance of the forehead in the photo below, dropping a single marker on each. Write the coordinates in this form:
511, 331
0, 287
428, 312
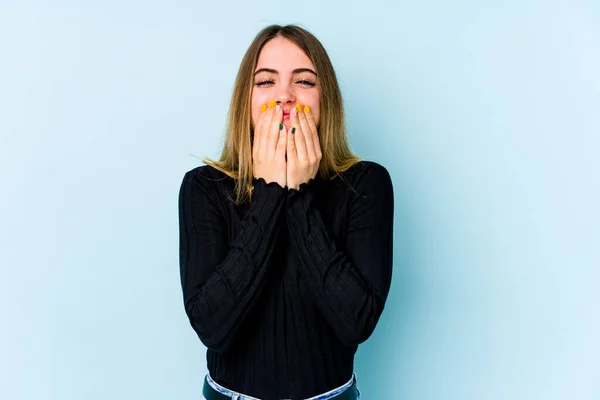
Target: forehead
283, 55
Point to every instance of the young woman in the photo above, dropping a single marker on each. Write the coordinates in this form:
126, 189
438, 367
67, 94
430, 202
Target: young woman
286, 241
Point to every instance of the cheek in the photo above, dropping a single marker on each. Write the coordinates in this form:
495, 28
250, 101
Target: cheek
315, 108
316, 112
254, 111
258, 99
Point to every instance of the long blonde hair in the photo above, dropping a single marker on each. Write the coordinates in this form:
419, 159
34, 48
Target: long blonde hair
236, 156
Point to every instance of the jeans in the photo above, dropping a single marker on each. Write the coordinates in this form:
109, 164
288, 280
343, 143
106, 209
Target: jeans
322, 396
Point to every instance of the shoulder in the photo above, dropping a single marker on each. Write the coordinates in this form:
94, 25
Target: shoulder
206, 172
204, 178
368, 181
367, 173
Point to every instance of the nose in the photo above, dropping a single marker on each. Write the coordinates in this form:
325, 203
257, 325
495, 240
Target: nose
285, 93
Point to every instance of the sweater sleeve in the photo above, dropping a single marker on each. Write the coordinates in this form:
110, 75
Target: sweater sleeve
221, 281
349, 287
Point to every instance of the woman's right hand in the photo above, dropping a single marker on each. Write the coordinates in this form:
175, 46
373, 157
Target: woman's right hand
268, 149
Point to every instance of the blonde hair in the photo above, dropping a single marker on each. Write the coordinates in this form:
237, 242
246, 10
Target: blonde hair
236, 156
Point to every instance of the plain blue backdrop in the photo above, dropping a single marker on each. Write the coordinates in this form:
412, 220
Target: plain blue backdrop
486, 114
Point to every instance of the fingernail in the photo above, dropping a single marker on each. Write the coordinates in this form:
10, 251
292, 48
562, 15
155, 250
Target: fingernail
263, 108
299, 107
294, 130
294, 112
280, 126
306, 109
278, 108
272, 104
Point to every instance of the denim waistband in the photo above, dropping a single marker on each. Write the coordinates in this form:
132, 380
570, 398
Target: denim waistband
241, 396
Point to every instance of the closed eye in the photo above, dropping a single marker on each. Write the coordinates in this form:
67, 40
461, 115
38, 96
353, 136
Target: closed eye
306, 82
264, 83
303, 82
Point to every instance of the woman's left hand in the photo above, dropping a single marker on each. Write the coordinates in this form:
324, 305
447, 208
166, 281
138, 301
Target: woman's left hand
303, 148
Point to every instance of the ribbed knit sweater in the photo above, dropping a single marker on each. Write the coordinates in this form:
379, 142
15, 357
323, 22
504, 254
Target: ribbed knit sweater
282, 289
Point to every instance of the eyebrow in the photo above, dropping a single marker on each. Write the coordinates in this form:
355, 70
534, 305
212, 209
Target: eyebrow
296, 71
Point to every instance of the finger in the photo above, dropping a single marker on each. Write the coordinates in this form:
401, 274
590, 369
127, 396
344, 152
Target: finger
311, 154
291, 151
299, 141
266, 125
273, 133
257, 129
313, 128
281, 143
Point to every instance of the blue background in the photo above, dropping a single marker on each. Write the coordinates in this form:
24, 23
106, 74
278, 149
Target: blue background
486, 114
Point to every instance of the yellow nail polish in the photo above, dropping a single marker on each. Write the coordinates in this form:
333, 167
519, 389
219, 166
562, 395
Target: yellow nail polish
299, 107
263, 107
306, 109
272, 104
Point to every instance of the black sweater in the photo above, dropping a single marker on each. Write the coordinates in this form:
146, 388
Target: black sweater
282, 290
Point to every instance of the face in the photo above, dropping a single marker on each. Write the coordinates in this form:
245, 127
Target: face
285, 74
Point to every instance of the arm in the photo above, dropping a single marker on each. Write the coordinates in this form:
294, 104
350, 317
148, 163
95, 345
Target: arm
220, 282
349, 287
